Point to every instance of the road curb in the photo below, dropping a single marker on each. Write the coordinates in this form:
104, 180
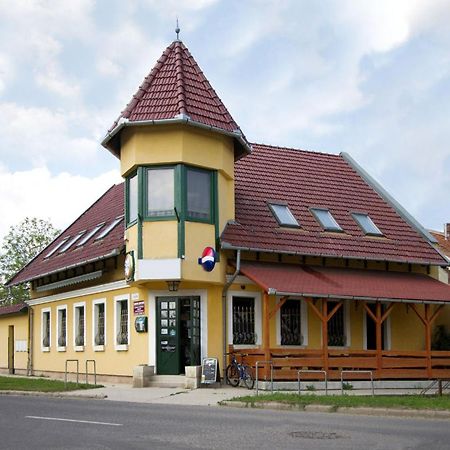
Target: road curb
424, 414
54, 394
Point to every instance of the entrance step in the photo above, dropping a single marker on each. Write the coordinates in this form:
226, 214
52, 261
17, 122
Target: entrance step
168, 381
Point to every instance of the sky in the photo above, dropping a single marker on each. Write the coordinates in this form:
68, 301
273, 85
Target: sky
371, 78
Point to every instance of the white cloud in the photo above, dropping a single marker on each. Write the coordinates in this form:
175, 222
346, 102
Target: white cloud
35, 193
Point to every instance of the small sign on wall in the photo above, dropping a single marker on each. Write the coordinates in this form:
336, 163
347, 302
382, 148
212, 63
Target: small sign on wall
139, 308
21, 346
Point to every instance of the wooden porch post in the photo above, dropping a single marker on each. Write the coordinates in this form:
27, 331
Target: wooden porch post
325, 334
427, 319
266, 332
378, 336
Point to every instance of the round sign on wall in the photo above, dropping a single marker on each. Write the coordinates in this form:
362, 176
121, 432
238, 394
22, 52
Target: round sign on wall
208, 259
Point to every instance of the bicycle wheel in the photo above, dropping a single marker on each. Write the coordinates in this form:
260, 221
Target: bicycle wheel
248, 377
232, 375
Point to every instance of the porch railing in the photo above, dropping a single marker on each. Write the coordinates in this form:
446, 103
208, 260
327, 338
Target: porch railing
392, 364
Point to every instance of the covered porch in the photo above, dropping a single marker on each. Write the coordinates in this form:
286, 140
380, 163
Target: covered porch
326, 290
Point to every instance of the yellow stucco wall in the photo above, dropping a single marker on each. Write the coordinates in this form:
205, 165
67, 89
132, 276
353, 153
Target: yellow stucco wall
174, 144
159, 239
20, 324
109, 361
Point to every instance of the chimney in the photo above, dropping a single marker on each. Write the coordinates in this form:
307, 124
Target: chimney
447, 231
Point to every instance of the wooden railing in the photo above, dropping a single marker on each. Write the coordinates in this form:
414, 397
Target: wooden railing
391, 365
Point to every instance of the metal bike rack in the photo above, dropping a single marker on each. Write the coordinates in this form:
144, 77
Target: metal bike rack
313, 371
95, 370
78, 371
271, 373
356, 371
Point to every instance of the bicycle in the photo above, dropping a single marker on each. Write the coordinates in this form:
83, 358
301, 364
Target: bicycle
239, 371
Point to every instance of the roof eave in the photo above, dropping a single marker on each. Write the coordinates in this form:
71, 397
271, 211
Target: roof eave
111, 254
228, 246
111, 140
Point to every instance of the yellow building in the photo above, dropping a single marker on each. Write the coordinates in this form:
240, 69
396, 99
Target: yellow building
214, 244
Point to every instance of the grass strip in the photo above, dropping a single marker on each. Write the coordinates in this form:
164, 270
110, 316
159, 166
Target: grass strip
377, 401
40, 385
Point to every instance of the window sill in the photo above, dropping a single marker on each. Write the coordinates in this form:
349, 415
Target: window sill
243, 346
99, 348
79, 348
61, 349
45, 349
122, 348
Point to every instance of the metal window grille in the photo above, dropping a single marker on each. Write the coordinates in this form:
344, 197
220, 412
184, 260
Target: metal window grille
100, 334
79, 340
62, 328
291, 323
46, 333
244, 321
336, 326
122, 336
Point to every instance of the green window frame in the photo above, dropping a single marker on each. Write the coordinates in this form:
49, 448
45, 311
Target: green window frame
133, 177
193, 188
169, 213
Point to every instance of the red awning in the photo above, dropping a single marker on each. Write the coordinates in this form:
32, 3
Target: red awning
307, 281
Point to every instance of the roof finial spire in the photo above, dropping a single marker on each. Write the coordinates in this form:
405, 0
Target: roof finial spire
177, 30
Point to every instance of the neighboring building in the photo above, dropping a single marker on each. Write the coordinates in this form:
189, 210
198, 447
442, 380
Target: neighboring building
14, 338
316, 266
443, 241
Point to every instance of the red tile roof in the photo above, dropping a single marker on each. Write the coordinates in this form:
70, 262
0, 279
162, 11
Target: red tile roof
443, 243
306, 179
106, 209
177, 88
310, 281
13, 309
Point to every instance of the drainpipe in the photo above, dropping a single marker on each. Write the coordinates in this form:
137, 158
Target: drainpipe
224, 308
30, 341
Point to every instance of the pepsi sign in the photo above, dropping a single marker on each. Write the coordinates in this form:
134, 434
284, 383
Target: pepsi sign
208, 259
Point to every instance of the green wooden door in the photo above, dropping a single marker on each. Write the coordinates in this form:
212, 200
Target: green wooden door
177, 334
168, 349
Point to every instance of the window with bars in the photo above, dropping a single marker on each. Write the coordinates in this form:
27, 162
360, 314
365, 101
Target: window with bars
46, 329
62, 327
336, 326
99, 332
79, 326
290, 323
244, 321
122, 315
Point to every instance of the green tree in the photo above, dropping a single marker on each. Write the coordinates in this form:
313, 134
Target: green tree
20, 245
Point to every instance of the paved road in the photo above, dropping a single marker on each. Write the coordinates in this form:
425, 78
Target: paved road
46, 423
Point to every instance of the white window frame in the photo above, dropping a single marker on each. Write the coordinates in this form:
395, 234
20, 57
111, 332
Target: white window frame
98, 348
60, 348
347, 327
258, 317
44, 311
78, 348
117, 300
303, 323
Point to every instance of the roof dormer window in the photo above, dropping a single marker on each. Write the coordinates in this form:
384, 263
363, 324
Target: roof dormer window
109, 228
54, 249
366, 224
283, 215
71, 242
325, 218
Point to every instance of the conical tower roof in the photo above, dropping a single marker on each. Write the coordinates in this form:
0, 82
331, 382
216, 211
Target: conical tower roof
176, 90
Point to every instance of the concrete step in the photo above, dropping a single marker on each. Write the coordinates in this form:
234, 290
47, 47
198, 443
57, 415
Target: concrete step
169, 381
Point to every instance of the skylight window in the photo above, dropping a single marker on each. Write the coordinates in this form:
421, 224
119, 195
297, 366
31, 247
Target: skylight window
324, 217
283, 215
71, 242
91, 233
56, 248
366, 224
109, 228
